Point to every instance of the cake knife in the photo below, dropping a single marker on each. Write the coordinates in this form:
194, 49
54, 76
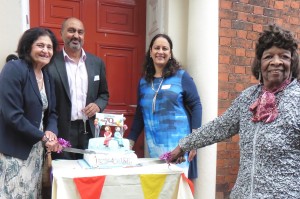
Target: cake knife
81, 151
87, 151
150, 161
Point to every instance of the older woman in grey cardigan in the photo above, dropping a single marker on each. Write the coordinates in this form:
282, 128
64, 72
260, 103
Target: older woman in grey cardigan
267, 118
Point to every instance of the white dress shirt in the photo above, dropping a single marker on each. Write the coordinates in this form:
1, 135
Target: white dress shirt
78, 83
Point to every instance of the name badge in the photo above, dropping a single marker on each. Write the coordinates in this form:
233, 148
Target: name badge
166, 86
96, 78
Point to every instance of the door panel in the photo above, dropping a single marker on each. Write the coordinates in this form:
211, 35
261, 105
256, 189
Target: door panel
117, 18
115, 32
117, 58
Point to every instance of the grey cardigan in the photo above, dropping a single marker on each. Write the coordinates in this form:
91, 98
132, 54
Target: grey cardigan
269, 152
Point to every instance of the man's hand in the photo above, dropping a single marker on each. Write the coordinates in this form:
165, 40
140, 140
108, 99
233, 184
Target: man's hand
91, 109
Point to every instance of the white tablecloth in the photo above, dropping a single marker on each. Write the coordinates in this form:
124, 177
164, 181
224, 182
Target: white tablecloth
154, 181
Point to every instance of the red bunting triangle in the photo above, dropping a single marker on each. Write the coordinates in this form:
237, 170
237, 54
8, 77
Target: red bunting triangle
90, 187
189, 182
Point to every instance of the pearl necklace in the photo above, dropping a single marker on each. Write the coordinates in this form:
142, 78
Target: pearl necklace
155, 95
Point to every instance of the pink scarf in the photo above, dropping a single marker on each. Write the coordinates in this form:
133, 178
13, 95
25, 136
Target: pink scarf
265, 107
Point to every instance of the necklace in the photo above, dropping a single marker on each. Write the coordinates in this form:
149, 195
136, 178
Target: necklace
155, 94
41, 79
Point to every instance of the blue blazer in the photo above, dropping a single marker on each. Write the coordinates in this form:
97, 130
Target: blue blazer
21, 109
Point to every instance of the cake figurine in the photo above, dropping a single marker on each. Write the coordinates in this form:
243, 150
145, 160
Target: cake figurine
118, 136
125, 127
107, 135
97, 128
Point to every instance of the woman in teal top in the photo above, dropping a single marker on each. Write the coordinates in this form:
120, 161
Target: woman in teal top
168, 103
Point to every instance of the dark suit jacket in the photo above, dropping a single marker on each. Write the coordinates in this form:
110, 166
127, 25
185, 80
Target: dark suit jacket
21, 109
97, 90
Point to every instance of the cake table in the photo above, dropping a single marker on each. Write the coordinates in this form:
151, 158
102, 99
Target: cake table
150, 181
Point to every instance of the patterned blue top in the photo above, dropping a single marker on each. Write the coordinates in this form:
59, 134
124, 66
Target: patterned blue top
171, 120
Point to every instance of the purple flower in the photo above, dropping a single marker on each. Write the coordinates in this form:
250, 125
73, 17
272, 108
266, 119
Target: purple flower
166, 156
64, 143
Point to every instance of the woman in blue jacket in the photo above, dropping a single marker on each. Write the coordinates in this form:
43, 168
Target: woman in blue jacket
28, 120
168, 105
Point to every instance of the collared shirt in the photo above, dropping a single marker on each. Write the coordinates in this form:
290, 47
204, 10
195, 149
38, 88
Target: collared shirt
78, 84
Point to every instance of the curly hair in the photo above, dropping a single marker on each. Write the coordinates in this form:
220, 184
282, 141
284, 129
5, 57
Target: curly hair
29, 37
281, 38
171, 67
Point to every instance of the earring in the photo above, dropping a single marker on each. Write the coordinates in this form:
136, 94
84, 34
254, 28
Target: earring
259, 76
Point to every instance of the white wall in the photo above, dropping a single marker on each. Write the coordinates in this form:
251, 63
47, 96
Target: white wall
177, 23
169, 17
155, 19
202, 58
13, 22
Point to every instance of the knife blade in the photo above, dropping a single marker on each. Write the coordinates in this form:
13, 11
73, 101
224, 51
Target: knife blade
150, 161
81, 151
88, 151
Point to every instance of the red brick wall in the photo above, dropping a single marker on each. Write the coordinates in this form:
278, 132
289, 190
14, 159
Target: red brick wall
240, 22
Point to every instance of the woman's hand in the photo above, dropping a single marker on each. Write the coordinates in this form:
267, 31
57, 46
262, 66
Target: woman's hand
177, 155
53, 146
51, 142
50, 135
192, 155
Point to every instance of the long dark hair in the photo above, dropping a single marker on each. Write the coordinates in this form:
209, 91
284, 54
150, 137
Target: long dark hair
276, 36
29, 37
171, 67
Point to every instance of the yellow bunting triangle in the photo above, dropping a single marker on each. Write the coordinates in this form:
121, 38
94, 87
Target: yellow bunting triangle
152, 184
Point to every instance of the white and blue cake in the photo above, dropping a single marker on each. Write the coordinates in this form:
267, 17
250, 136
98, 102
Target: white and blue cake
111, 155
